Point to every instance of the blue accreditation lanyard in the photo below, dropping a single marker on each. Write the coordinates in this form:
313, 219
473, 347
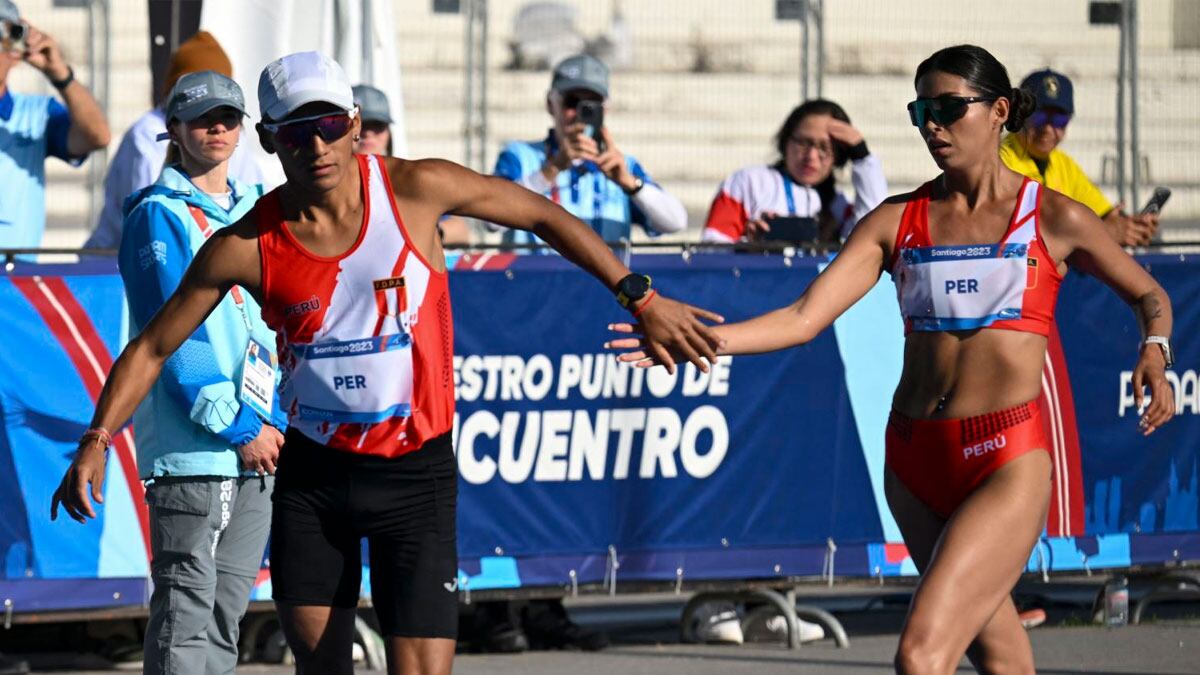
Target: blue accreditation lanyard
787, 192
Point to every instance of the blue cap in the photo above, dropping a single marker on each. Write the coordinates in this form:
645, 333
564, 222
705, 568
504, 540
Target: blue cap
1051, 89
372, 104
581, 72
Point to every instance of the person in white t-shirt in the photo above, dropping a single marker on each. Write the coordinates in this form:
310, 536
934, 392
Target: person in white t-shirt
816, 138
140, 157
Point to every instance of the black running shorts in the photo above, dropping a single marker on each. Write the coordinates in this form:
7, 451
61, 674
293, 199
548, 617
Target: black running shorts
326, 501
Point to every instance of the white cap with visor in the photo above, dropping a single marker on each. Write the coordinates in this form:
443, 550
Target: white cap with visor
298, 79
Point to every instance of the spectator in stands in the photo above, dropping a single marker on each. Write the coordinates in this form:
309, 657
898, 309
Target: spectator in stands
376, 135
595, 182
1033, 151
376, 139
34, 127
816, 138
140, 156
206, 445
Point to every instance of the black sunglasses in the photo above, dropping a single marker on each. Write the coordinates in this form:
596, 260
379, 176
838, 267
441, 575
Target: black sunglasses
945, 110
295, 134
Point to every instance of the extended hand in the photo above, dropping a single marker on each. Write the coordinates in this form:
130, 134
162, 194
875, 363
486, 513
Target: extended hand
670, 331
86, 470
262, 454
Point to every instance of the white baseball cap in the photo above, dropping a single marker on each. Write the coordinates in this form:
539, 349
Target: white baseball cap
297, 79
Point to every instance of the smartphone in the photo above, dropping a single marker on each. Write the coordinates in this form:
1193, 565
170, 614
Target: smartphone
591, 113
793, 229
14, 37
1160, 197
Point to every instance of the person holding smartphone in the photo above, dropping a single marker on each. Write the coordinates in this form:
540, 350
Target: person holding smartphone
1033, 151
34, 127
816, 138
579, 166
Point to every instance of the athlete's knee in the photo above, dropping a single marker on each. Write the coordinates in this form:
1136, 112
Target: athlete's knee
921, 653
319, 639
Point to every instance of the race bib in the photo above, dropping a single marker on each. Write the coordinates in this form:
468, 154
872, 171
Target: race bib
962, 287
364, 381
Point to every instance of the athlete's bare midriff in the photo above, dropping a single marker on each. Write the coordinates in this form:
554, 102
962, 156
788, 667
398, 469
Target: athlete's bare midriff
961, 374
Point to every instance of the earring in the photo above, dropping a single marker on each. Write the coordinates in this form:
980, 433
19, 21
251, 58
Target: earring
357, 138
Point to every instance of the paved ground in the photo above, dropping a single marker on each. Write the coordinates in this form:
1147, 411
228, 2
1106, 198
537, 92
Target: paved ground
645, 636
1136, 650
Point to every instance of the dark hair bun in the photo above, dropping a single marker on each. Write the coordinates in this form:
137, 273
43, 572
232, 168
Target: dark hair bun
1022, 106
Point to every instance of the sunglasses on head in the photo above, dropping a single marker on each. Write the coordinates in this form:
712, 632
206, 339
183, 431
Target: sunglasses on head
1041, 118
944, 110
295, 134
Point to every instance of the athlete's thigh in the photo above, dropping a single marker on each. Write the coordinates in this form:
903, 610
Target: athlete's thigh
982, 551
919, 525
426, 656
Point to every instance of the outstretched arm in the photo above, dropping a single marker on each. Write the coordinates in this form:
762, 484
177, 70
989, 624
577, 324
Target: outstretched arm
229, 258
670, 326
847, 279
1075, 234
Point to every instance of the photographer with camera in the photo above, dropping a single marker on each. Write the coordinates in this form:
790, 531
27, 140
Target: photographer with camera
800, 186
34, 127
579, 166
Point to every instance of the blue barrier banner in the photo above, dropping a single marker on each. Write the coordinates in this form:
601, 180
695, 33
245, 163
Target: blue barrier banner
575, 468
564, 450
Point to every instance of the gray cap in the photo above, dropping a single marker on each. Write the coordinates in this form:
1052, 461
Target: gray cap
581, 72
197, 93
9, 12
372, 103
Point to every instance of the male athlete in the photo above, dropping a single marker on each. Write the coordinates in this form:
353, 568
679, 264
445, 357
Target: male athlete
345, 261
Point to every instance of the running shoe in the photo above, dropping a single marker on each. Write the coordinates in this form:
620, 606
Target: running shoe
774, 629
717, 623
1032, 618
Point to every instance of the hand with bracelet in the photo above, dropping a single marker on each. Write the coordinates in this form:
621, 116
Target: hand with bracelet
672, 331
86, 471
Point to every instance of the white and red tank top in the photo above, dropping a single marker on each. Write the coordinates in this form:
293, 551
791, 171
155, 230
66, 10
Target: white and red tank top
1009, 285
365, 339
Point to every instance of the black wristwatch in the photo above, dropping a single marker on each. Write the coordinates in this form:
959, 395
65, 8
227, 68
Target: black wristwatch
632, 288
638, 184
63, 83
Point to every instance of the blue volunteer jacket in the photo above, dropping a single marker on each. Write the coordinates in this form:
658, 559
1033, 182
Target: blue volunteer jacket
583, 190
193, 420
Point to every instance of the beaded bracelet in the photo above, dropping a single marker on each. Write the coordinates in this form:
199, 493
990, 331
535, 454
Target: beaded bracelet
96, 434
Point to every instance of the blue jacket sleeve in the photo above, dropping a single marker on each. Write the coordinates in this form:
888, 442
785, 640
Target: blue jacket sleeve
508, 165
58, 127
155, 252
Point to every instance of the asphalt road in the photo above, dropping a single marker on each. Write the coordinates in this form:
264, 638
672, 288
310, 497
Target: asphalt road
645, 640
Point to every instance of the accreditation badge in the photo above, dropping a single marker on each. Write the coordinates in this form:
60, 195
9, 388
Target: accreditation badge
258, 378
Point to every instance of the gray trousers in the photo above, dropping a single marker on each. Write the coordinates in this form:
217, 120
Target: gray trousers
207, 538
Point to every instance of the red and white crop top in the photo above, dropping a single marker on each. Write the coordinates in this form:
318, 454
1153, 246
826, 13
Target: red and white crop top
1010, 285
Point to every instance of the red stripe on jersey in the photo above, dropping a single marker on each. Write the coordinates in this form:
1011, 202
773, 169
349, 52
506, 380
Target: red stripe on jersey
727, 216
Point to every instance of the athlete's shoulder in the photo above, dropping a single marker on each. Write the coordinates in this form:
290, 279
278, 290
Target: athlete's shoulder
1059, 211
